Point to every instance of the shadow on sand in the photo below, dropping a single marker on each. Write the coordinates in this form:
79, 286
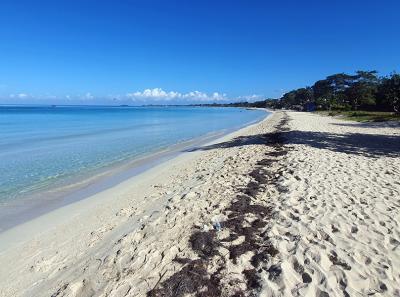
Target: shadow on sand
389, 124
369, 145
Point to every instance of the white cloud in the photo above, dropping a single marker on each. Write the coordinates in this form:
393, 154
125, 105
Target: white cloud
19, 96
147, 96
158, 94
88, 96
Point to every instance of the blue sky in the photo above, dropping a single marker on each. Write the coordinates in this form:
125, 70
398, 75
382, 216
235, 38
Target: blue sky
186, 51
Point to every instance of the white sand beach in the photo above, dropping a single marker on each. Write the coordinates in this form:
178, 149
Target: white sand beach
296, 205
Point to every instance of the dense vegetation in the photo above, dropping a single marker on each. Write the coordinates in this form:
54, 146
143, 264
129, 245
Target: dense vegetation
364, 90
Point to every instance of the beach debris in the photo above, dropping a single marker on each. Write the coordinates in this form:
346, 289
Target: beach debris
306, 278
217, 226
274, 272
216, 223
246, 217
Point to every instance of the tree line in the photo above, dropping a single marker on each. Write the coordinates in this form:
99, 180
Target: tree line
362, 90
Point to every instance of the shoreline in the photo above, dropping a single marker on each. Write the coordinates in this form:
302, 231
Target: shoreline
296, 204
149, 167
25, 209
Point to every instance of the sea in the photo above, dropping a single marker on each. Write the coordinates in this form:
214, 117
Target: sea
48, 153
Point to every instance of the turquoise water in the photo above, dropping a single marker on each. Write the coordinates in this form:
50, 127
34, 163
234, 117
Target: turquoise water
44, 147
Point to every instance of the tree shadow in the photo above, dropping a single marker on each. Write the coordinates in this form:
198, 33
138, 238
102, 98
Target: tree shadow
388, 124
369, 145
259, 139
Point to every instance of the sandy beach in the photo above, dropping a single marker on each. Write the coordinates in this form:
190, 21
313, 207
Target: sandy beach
296, 205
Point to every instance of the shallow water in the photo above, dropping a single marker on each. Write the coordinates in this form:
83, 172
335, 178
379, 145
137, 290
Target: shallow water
42, 148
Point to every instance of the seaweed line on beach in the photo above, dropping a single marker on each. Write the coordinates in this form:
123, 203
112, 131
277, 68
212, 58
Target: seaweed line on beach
247, 217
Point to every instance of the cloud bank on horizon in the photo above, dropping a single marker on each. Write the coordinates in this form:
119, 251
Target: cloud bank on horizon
159, 94
147, 96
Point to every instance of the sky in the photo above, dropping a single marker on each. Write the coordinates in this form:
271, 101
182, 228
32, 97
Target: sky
172, 52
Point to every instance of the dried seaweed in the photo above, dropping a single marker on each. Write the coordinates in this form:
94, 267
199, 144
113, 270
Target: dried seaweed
194, 277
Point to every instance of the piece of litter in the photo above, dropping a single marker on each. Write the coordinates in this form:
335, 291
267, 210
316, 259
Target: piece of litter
217, 225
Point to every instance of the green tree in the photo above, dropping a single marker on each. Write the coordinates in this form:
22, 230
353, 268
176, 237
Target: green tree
323, 89
289, 99
340, 82
389, 92
304, 95
363, 89
323, 93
